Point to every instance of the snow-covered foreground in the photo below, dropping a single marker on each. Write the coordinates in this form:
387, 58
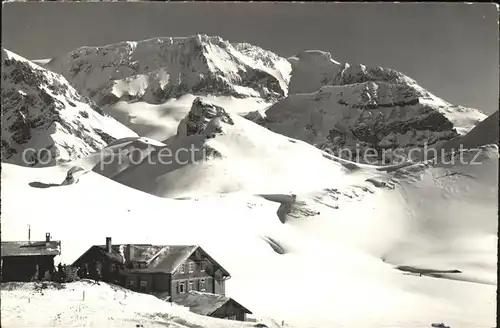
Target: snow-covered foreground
85, 304
340, 247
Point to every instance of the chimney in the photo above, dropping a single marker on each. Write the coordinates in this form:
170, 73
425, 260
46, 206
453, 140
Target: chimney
129, 253
47, 238
108, 244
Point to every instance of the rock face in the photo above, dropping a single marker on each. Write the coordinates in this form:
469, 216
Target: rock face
203, 118
355, 111
203, 113
158, 69
44, 119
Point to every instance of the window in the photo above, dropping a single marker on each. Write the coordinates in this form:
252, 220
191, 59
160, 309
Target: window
182, 268
190, 286
202, 266
202, 285
181, 287
191, 267
144, 286
131, 284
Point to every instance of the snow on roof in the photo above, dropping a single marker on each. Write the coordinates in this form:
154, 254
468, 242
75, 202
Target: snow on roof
170, 259
159, 258
204, 303
140, 253
26, 248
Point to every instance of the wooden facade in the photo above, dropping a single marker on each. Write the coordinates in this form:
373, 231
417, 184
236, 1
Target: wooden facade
231, 310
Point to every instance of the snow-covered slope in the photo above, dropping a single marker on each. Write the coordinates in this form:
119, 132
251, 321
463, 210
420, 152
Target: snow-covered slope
355, 234
160, 121
158, 69
218, 152
45, 120
342, 107
85, 304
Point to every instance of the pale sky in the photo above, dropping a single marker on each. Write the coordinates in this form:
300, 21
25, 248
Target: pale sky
451, 49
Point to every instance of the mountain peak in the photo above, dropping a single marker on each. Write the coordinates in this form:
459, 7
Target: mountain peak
315, 55
204, 118
44, 119
344, 107
157, 69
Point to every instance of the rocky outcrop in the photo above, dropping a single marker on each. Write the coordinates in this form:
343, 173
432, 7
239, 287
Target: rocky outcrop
202, 113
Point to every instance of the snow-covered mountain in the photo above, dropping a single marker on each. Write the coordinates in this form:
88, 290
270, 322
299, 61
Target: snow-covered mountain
44, 119
402, 246
158, 69
343, 107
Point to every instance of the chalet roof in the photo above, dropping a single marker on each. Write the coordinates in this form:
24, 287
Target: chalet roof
158, 258
205, 303
34, 248
169, 259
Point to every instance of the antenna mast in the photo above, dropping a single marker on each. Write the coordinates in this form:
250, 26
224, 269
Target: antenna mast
29, 233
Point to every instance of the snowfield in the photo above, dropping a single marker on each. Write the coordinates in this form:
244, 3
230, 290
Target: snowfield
229, 154
160, 121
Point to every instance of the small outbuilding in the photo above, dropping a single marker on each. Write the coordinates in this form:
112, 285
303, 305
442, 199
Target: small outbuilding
28, 260
213, 305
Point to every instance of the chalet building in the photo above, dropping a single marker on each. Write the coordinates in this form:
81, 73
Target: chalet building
154, 269
28, 260
172, 273
213, 305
